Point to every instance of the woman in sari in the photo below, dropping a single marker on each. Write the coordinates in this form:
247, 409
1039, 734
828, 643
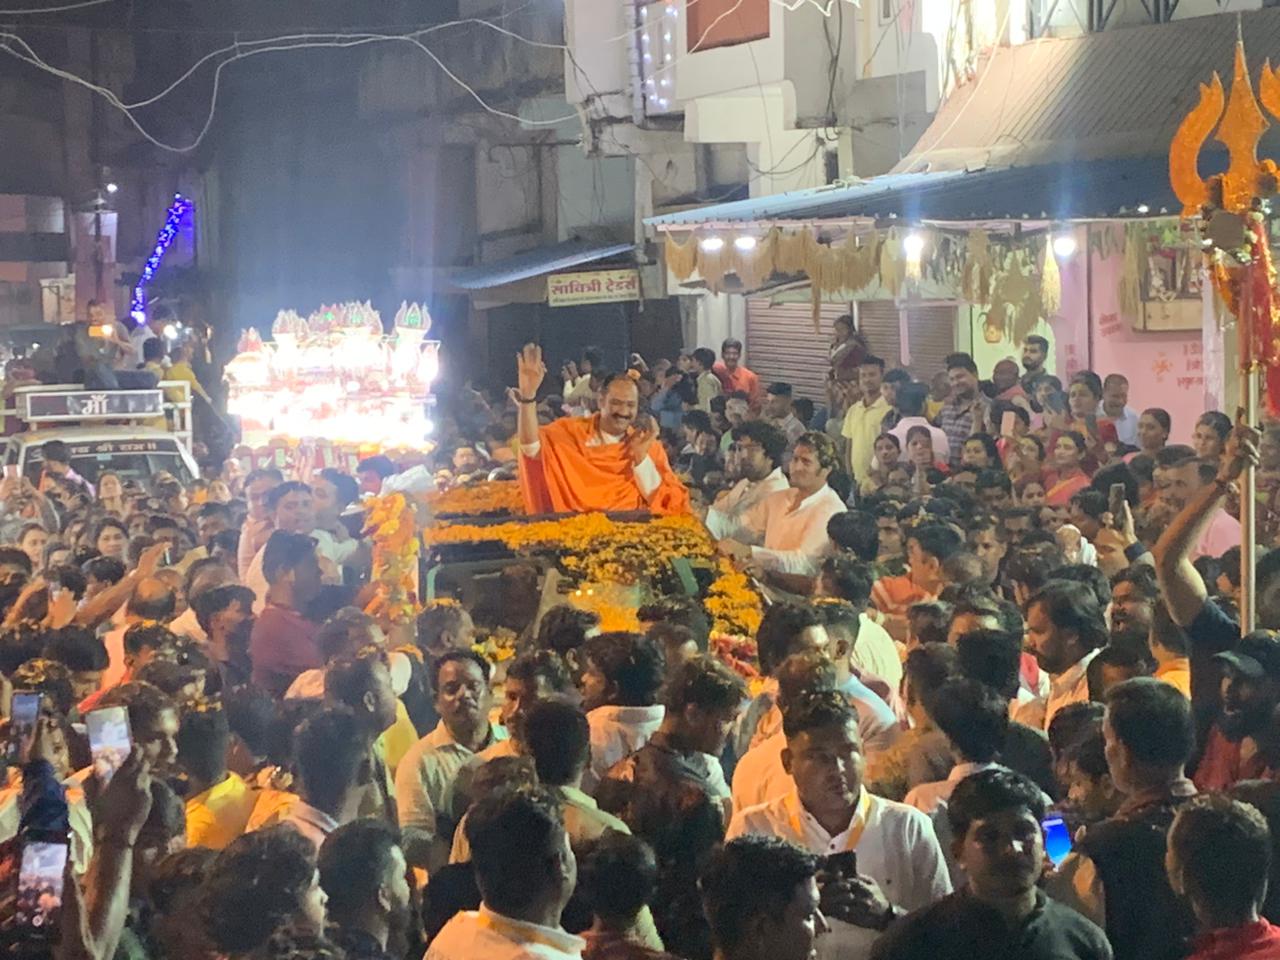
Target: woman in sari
1069, 453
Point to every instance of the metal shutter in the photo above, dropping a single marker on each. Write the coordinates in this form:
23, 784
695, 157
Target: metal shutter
878, 322
782, 344
931, 334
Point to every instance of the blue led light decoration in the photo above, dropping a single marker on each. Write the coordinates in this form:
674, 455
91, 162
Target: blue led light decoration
180, 208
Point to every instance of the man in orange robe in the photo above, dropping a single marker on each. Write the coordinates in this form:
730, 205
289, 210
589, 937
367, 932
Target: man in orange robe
609, 461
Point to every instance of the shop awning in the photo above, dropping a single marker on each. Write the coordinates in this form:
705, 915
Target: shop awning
1069, 190
533, 263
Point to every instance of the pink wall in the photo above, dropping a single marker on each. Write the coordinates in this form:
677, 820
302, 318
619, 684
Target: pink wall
1164, 369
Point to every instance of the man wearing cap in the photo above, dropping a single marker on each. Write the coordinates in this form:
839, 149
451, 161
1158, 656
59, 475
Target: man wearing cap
1241, 744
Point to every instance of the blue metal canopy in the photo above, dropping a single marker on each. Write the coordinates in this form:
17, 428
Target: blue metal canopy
533, 263
1066, 190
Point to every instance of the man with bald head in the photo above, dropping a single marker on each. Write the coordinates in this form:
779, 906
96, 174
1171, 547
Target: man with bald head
611, 460
153, 599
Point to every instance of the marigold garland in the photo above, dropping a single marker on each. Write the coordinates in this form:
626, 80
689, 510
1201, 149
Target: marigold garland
392, 524
594, 547
733, 604
491, 497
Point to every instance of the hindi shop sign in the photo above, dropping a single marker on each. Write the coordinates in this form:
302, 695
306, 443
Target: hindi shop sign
600, 286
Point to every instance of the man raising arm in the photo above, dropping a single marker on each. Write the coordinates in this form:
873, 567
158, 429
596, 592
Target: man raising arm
609, 461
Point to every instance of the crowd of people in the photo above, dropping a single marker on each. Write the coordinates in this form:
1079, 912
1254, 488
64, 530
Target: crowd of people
1003, 708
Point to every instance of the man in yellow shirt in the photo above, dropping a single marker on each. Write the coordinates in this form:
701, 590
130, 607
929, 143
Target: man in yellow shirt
863, 421
219, 803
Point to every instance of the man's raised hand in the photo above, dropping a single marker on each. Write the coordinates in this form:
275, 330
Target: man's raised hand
530, 370
640, 438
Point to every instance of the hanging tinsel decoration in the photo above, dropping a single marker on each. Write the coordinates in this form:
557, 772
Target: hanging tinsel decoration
682, 258
1050, 281
978, 267
892, 270
1135, 262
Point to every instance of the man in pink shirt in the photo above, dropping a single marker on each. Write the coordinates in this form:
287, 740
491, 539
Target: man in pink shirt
1179, 483
734, 377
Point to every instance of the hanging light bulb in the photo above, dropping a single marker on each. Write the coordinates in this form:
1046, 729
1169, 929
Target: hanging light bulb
1064, 246
913, 246
712, 244
745, 243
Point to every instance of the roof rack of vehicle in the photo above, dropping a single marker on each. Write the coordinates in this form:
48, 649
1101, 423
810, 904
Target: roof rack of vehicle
53, 404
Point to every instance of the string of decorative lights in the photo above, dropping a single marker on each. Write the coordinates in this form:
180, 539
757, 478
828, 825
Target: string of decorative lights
178, 211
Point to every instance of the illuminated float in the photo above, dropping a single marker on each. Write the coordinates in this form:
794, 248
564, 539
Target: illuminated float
336, 380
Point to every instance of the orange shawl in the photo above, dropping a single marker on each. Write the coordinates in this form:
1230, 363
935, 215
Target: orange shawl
568, 476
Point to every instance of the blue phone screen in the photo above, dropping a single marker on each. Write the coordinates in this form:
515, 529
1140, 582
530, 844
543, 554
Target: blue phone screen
1057, 839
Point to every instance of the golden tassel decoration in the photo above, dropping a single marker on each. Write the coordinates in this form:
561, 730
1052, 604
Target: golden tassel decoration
1135, 262
815, 302
712, 264
977, 269
891, 267
682, 258
1050, 281
793, 251
756, 265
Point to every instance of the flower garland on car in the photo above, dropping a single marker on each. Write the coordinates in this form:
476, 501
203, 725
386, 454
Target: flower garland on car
733, 603
391, 523
594, 548
491, 498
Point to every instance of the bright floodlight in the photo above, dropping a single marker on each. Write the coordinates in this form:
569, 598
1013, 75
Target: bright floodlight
745, 243
712, 244
112, 187
171, 331
913, 246
1064, 245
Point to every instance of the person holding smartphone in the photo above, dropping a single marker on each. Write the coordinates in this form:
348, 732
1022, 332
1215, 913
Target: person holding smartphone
996, 816
899, 864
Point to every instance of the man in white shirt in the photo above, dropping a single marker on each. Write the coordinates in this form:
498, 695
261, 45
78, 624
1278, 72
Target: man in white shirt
975, 720
1065, 629
426, 776
910, 403
755, 462
790, 527
760, 776
1115, 399
526, 872
622, 677
897, 864
332, 753
848, 578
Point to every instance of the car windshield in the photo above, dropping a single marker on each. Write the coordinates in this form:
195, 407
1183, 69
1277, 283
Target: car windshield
132, 460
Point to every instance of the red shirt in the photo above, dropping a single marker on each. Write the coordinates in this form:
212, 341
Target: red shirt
1221, 767
283, 645
1254, 941
740, 378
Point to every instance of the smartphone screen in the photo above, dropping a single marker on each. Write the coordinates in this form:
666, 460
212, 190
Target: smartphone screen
24, 714
1006, 423
1057, 839
40, 877
109, 740
11, 470
1116, 505
843, 864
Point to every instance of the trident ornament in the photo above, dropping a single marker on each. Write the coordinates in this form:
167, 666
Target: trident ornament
1242, 125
